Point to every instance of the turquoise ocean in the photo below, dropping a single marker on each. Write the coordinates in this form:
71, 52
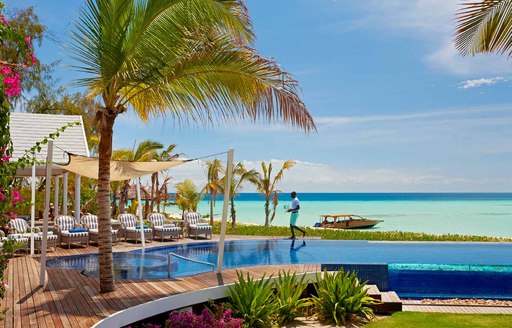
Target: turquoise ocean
484, 214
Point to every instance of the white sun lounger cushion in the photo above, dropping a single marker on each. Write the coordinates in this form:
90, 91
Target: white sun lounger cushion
201, 227
147, 230
74, 234
96, 231
167, 228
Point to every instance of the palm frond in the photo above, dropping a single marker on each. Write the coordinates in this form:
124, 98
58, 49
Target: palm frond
484, 26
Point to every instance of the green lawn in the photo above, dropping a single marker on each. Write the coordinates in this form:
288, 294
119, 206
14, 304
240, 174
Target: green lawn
442, 320
257, 230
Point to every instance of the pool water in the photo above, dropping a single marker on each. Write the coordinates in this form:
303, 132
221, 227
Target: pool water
415, 269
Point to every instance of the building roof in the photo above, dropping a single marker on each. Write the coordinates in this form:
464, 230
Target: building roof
27, 129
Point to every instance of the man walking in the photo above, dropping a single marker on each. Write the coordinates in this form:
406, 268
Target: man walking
294, 215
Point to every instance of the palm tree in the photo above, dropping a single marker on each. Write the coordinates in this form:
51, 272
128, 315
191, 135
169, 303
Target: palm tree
240, 176
187, 197
164, 155
484, 27
144, 152
266, 185
192, 59
213, 187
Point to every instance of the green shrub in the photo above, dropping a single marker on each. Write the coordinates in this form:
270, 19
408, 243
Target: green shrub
252, 300
340, 297
288, 291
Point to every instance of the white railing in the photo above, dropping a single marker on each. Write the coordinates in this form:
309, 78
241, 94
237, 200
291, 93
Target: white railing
171, 254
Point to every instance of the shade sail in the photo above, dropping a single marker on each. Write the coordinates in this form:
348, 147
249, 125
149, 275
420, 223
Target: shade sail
119, 170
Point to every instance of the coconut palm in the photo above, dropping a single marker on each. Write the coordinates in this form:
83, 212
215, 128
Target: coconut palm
164, 155
187, 197
266, 186
484, 26
240, 176
144, 152
192, 59
213, 188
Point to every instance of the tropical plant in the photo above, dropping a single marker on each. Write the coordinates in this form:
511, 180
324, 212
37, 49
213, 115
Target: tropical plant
289, 289
213, 185
266, 186
484, 26
252, 300
187, 197
144, 152
191, 59
340, 297
239, 177
156, 191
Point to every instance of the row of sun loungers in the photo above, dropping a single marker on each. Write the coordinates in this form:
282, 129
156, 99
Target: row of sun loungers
67, 231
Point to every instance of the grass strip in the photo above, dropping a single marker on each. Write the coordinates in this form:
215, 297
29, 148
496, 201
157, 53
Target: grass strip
445, 320
340, 234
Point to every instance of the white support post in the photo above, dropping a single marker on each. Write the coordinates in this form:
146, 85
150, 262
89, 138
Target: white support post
227, 189
44, 242
56, 198
141, 219
77, 198
33, 209
65, 194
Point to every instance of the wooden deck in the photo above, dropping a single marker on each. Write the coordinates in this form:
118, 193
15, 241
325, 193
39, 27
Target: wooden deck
70, 299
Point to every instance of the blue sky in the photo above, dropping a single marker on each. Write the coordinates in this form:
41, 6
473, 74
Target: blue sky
397, 109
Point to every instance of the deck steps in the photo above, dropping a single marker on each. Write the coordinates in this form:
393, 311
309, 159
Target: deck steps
390, 300
390, 303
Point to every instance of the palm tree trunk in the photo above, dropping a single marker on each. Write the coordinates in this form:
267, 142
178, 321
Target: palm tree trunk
114, 201
104, 226
152, 196
211, 208
267, 211
233, 212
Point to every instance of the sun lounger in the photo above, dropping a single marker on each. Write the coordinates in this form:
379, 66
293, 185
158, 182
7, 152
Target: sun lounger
21, 232
195, 227
90, 223
161, 229
70, 232
130, 228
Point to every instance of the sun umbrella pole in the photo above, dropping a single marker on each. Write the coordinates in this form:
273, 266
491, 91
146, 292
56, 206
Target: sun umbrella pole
227, 189
46, 211
141, 219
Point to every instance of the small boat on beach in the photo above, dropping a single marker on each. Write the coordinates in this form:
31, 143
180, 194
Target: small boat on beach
345, 221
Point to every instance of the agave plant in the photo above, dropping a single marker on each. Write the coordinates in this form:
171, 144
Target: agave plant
252, 300
289, 289
341, 297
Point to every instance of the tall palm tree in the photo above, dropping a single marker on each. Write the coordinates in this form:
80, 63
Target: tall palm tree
266, 186
192, 59
164, 155
240, 176
213, 188
484, 26
144, 152
187, 197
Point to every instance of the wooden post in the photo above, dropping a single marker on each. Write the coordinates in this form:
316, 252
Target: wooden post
44, 242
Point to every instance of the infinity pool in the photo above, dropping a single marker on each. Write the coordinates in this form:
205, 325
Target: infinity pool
408, 262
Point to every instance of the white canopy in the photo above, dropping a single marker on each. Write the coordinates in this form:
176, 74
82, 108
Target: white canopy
119, 170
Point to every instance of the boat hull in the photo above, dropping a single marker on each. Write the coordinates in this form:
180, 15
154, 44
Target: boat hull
351, 224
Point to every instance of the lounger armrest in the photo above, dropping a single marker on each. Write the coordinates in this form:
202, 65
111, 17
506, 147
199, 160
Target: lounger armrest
56, 229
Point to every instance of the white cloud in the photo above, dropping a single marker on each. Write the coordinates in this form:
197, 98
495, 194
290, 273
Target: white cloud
433, 22
439, 114
311, 176
479, 82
